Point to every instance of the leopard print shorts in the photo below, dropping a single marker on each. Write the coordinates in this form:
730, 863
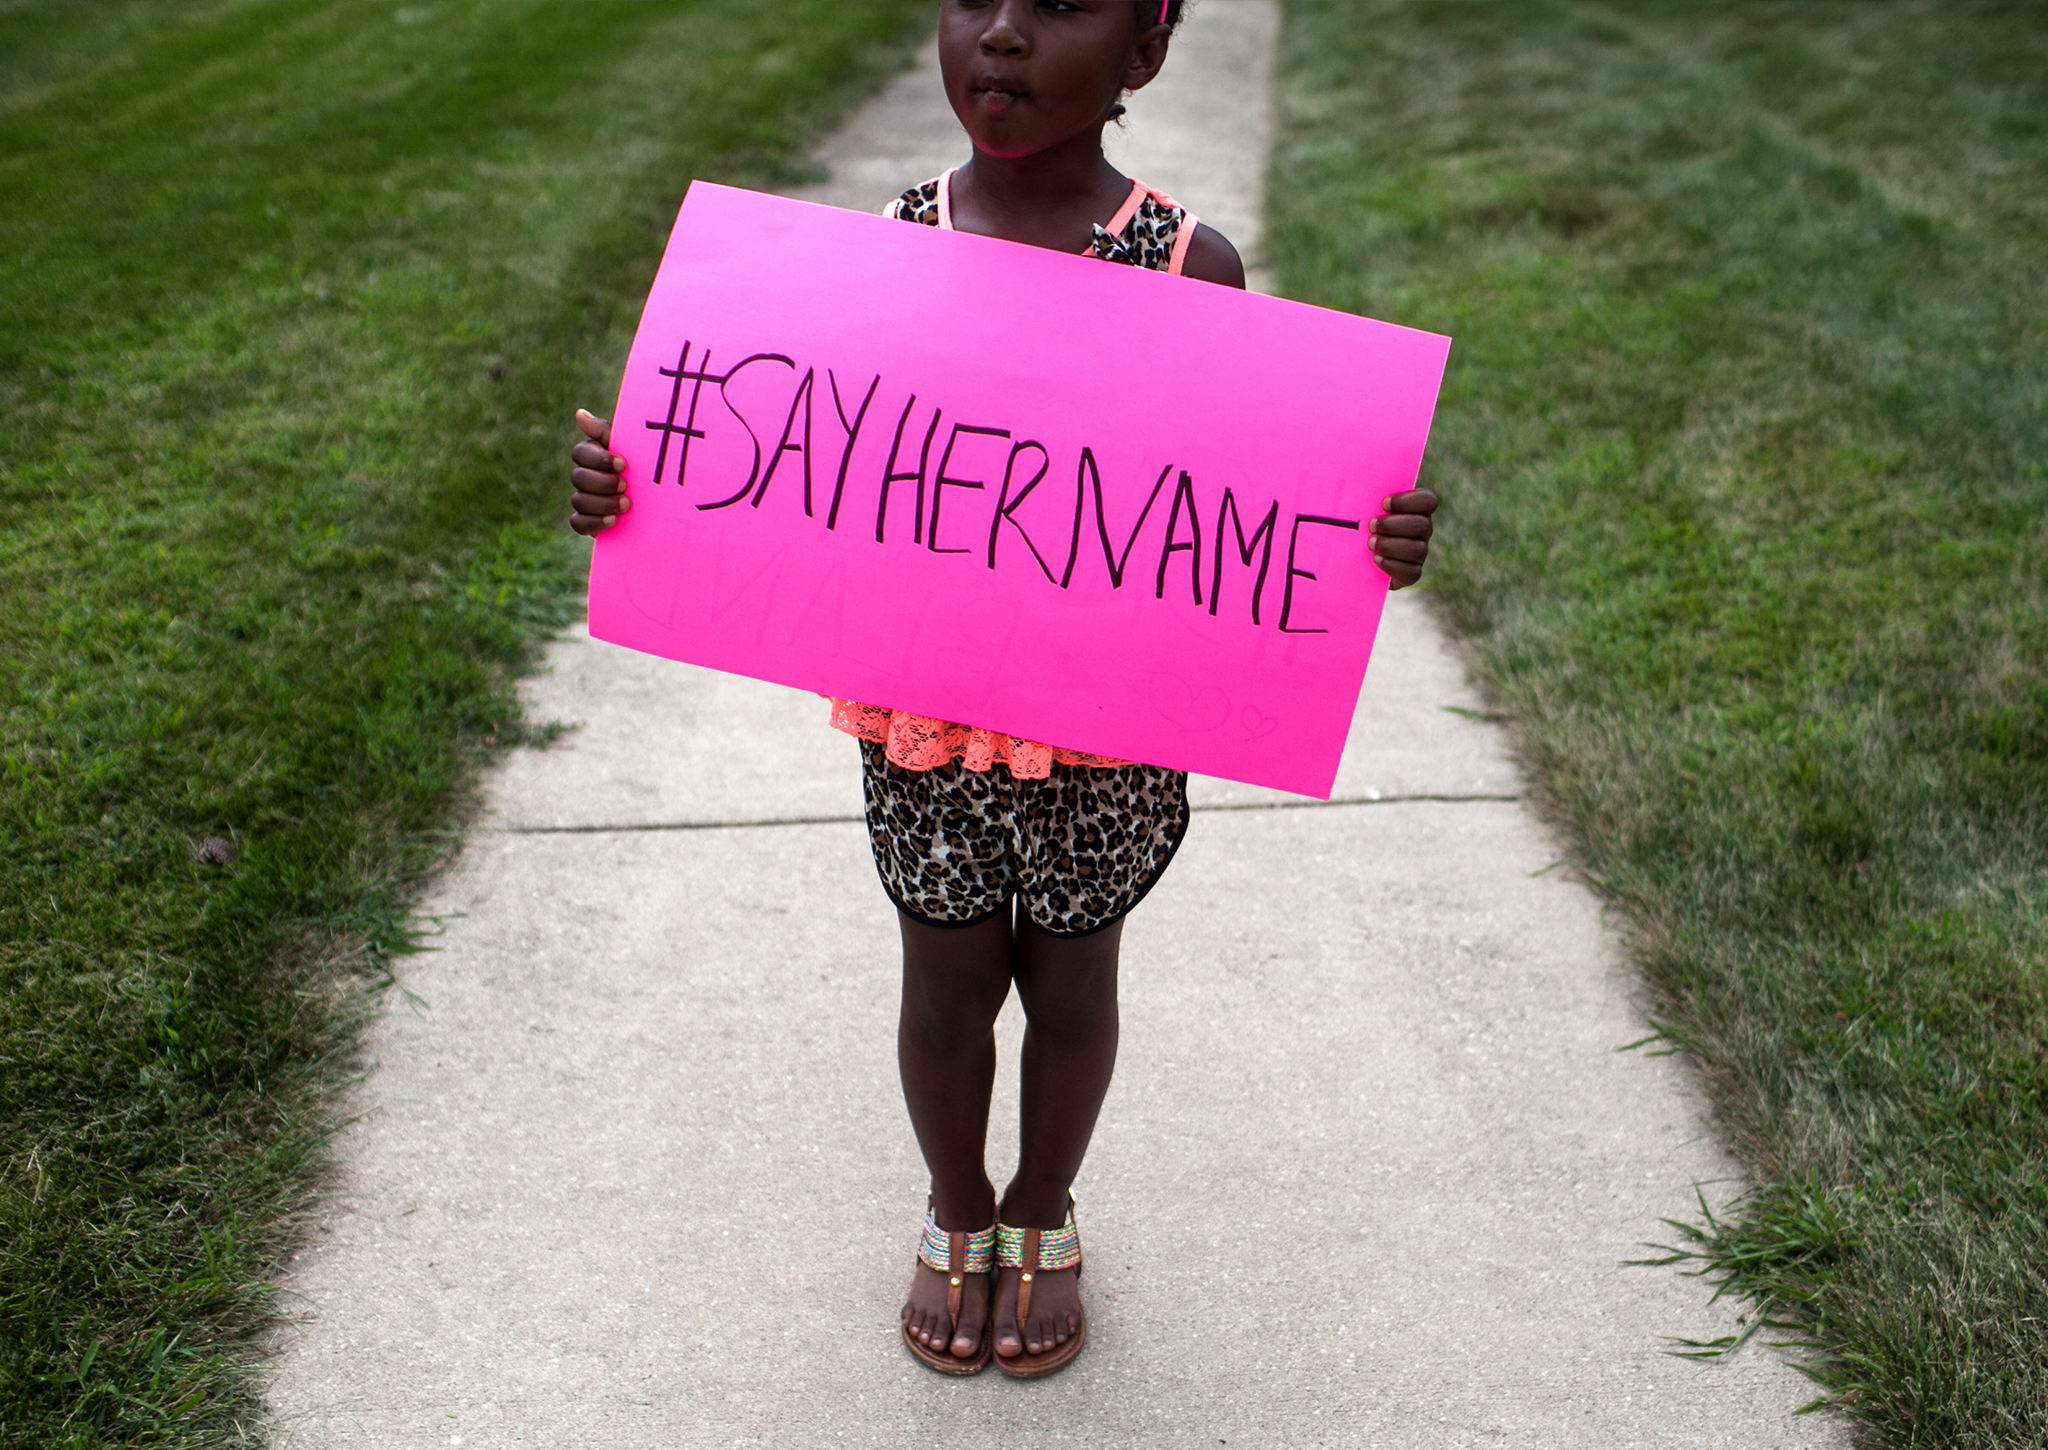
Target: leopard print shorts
1078, 849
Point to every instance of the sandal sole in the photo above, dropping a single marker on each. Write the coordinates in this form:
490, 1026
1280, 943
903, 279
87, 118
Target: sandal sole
952, 1364
1029, 1366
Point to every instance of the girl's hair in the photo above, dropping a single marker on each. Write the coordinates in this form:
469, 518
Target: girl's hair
1149, 13
1146, 14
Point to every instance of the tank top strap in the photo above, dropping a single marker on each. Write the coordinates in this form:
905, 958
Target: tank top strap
1153, 234
1183, 233
1164, 228
1178, 261
1116, 224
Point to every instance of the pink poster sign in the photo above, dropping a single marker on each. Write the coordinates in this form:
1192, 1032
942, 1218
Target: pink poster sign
1100, 507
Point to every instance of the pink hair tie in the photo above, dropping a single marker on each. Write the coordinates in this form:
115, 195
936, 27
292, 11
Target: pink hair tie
1164, 6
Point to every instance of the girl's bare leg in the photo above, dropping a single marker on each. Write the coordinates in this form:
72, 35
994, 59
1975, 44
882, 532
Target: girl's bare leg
1068, 989
955, 980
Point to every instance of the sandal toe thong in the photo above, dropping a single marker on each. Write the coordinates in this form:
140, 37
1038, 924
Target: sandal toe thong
1031, 1251
956, 1255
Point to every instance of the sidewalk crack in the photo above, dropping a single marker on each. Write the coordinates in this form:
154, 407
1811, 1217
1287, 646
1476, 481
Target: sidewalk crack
783, 822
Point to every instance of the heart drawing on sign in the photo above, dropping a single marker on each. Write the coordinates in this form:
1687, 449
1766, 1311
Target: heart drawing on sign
1187, 707
1257, 723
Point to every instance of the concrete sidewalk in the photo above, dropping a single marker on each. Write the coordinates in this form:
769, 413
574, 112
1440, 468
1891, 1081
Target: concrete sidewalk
638, 1173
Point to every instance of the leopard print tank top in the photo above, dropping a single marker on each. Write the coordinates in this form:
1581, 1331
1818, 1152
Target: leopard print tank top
1149, 230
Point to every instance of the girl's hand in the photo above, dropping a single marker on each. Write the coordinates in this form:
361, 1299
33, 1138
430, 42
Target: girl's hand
1400, 536
598, 494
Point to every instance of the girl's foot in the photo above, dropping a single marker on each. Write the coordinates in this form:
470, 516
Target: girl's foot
1055, 1315
926, 1320
945, 1320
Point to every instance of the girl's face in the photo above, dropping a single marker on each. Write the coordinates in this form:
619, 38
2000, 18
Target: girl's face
1025, 75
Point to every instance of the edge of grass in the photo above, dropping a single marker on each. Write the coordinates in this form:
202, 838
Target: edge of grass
278, 545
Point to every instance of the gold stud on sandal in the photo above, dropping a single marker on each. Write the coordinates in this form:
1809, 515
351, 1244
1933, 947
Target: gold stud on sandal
955, 1255
1032, 1251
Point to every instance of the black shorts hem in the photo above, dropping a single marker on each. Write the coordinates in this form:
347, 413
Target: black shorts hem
1017, 895
1180, 834
922, 920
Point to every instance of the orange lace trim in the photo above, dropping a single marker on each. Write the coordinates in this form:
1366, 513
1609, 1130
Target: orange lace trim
918, 742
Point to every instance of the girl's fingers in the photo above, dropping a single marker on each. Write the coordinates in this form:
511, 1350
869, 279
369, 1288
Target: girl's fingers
592, 455
600, 505
1404, 551
598, 494
1415, 501
1403, 526
596, 480
1402, 574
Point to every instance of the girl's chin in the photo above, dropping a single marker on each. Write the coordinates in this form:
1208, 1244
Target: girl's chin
1008, 142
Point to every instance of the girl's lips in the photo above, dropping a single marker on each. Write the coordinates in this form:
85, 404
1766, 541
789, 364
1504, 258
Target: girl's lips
996, 97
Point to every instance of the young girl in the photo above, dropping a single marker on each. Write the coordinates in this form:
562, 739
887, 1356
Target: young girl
1010, 862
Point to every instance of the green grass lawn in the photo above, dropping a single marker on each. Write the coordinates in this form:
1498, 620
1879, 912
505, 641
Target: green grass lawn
295, 298
1745, 453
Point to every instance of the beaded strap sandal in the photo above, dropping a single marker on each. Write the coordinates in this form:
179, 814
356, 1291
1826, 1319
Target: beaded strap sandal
956, 1255
1032, 1250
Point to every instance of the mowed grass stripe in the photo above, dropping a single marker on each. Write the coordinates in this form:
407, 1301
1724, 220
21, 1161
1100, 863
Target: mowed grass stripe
1745, 459
297, 297
44, 48
286, 127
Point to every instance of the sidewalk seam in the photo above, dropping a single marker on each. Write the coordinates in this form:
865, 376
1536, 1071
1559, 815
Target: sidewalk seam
786, 821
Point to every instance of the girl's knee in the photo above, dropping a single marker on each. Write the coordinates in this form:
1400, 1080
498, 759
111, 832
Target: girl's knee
947, 1010
1073, 1015
1068, 977
939, 1031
